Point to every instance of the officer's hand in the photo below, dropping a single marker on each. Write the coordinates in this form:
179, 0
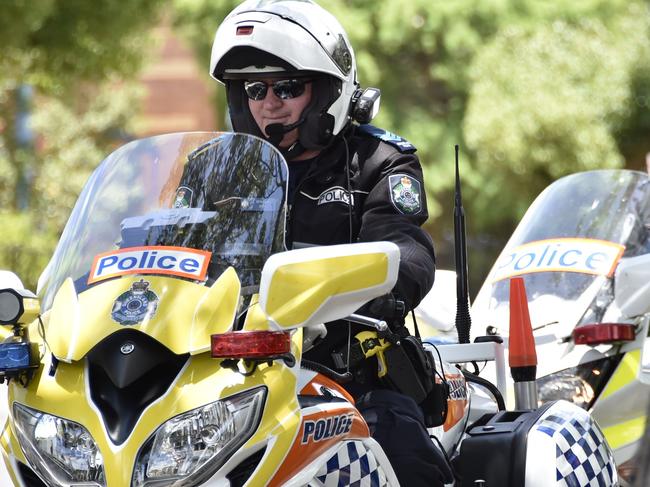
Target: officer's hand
386, 307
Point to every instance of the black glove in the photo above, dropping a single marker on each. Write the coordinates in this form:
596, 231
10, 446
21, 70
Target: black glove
386, 307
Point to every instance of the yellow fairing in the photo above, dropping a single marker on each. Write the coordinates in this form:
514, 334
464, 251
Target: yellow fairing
201, 382
625, 373
32, 310
625, 432
297, 290
186, 315
281, 420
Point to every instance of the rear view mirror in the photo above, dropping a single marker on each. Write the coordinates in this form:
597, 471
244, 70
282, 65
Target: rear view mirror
632, 286
18, 357
632, 296
321, 284
15, 301
644, 366
11, 306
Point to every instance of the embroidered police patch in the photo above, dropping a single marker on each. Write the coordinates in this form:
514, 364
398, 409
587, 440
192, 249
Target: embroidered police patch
405, 193
183, 197
335, 195
136, 304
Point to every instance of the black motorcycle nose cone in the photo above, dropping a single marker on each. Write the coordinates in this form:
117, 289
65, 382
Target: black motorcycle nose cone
128, 370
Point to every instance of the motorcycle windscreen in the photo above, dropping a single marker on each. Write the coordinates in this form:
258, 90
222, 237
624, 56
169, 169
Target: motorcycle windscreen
167, 236
568, 244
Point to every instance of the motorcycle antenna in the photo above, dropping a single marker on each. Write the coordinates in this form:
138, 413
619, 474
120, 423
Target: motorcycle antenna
463, 318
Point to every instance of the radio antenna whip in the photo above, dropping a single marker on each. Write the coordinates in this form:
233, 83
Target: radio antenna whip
463, 319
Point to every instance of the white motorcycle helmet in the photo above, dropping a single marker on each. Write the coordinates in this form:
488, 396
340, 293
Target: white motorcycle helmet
288, 39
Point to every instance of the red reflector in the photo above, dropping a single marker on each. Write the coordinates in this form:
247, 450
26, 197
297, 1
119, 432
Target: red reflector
244, 30
598, 333
251, 344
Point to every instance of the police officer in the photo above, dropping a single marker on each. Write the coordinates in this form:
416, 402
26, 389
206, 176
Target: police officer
290, 78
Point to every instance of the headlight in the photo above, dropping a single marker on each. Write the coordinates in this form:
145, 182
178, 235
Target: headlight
188, 449
580, 385
62, 452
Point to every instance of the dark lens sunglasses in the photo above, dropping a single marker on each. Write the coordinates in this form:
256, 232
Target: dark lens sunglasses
285, 89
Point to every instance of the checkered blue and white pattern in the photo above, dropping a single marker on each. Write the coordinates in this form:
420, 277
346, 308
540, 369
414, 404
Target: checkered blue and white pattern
352, 465
583, 458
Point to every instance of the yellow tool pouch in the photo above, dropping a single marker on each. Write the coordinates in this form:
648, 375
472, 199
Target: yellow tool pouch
373, 346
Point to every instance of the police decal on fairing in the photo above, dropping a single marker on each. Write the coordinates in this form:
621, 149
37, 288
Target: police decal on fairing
325, 428
136, 304
175, 261
582, 255
457, 389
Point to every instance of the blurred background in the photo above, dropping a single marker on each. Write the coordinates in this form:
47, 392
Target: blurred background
530, 90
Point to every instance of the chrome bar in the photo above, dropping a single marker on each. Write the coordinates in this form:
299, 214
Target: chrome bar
379, 325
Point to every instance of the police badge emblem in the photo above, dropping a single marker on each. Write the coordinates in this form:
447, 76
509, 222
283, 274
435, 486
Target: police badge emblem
405, 193
134, 305
183, 198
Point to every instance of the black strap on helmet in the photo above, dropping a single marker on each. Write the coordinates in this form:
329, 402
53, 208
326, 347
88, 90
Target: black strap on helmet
318, 129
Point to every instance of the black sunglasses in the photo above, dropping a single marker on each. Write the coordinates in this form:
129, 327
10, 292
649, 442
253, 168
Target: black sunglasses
285, 89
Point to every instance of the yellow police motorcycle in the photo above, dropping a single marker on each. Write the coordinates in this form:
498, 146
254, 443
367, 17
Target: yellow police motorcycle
583, 248
165, 345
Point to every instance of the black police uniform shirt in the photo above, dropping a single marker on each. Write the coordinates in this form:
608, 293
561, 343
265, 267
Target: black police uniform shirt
386, 199
387, 202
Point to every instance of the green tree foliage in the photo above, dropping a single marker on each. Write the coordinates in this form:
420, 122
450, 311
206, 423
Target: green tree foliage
55, 44
70, 52
73, 143
551, 99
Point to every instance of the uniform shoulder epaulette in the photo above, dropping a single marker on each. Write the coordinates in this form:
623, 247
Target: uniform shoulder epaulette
400, 143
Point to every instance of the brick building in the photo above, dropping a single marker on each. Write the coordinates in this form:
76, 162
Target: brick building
179, 93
